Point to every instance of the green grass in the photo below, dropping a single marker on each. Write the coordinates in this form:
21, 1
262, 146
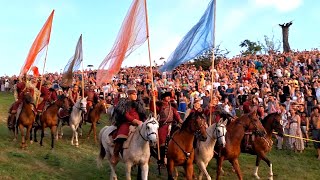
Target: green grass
69, 162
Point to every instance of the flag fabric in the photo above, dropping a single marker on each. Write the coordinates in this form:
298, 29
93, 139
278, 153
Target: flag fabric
35, 71
198, 40
73, 65
41, 41
132, 34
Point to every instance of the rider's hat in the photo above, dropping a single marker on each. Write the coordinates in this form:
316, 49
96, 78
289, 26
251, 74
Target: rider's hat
131, 90
165, 94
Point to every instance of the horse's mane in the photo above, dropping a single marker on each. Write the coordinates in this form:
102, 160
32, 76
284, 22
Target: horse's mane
264, 120
192, 115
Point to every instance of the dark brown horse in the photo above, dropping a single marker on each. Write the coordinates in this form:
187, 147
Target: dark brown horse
262, 145
26, 118
180, 146
49, 118
94, 116
235, 133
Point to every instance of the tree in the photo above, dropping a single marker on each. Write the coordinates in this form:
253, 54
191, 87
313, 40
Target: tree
251, 47
270, 45
285, 36
205, 60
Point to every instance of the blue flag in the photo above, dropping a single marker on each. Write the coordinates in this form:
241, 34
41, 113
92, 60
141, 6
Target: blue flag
194, 43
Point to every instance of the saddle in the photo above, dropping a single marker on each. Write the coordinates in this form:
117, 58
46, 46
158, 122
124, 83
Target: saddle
113, 134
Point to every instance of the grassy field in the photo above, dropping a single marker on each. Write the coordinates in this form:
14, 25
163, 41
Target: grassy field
69, 162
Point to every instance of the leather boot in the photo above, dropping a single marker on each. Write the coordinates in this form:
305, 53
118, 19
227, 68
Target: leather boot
116, 152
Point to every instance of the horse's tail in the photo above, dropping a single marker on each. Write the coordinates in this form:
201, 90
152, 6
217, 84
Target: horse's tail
101, 156
102, 152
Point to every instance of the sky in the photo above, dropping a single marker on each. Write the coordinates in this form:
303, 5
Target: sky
169, 20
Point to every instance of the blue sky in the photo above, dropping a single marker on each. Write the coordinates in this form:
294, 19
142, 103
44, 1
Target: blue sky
169, 20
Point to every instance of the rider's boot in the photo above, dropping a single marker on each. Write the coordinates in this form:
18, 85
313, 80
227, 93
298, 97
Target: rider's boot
116, 152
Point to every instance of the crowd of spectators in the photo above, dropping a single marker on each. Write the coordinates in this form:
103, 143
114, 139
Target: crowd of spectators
288, 83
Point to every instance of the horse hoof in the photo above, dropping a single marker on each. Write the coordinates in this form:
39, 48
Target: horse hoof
14, 140
31, 142
256, 176
270, 178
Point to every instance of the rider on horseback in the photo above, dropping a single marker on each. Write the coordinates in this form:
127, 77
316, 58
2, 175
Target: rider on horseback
127, 112
168, 114
91, 100
20, 88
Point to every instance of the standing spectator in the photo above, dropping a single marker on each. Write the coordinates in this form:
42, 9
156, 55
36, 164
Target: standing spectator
315, 120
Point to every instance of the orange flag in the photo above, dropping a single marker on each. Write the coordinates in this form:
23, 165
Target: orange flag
133, 34
41, 41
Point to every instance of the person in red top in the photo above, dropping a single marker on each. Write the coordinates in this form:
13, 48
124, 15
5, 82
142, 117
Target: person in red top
91, 100
127, 112
20, 89
168, 114
47, 95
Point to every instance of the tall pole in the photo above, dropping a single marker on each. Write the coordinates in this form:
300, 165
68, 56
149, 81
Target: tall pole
212, 66
151, 71
41, 82
82, 76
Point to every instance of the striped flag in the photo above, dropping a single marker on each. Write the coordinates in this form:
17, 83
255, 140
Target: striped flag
41, 41
198, 40
73, 65
132, 34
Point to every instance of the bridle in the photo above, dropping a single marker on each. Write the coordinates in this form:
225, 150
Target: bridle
198, 130
153, 121
81, 108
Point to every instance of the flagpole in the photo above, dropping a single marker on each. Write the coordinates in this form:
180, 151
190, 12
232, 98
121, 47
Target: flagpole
82, 76
44, 65
151, 70
213, 57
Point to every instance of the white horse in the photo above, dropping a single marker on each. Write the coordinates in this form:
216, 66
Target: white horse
75, 118
138, 151
205, 149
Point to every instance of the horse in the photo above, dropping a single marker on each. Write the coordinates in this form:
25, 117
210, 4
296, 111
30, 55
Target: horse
26, 119
262, 145
49, 118
180, 146
235, 133
94, 116
138, 151
205, 150
78, 109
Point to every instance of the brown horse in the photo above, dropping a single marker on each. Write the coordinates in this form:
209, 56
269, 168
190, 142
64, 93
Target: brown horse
180, 146
262, 145
49, 118
26, 118
235, 133
94, 116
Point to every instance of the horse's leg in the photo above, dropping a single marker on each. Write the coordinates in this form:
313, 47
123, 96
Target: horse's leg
257, 167
236, 166
91, 128
203, 170
35, 129
113, 174
144, 171
128, 170
95, 132
265, 159
42, 135
53, 131
76, 136
219, 166
188, 168
170, 169
73, 133
28, 134
23, 141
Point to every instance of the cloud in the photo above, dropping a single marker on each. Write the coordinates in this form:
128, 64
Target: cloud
280, 5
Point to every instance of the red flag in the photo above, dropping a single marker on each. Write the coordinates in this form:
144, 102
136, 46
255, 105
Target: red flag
35, 71
41, 41
133, 34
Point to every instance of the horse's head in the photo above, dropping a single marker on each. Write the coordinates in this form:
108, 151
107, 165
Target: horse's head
275, 121
63, 102
151, 127
27, 97
197, 123
103, 106
220, 131
253, 123
82, 104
